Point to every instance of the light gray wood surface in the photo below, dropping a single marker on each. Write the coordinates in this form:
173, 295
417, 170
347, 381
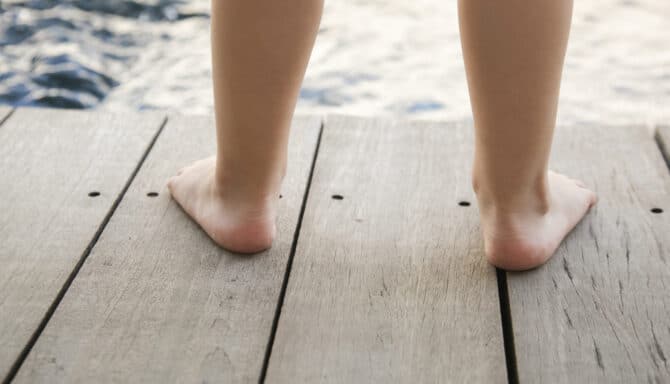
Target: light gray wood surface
4, 111
157, 301
389, 284
599, 311
662, 136
49, 161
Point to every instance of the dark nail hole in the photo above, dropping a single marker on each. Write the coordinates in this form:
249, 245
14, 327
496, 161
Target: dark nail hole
337, 197
657, 210
152, 194
280, 196
94, 194
464, 203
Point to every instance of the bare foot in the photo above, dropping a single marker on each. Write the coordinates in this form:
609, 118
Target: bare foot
520, 239
234, 224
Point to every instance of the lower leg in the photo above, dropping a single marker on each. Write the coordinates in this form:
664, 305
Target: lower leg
260, 51
513, 52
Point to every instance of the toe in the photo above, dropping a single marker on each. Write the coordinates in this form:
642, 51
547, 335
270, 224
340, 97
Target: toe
590, 197
593, 198
171, 182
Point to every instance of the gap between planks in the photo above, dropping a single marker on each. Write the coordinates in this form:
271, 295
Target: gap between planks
51, 160
289, 264
5, 114
662, 138
597, 310
157, 287
382, 287
14, 369
508, 336
507, 327
502, 284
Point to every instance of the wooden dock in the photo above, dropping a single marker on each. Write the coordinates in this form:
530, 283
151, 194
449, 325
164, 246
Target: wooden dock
377, 275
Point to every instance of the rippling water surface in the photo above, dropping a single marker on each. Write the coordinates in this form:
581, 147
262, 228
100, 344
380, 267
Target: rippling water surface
373, 57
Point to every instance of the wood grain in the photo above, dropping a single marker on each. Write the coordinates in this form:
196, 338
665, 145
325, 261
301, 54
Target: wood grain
599, 311
389, 284
157, 301
49, 161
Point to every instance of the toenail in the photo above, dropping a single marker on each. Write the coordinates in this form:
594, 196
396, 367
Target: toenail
93, 194
337, 197
656, 210
152, 194
464, 203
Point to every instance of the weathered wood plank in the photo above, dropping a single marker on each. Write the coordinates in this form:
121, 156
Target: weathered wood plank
49, 161
4, 112
389, 284
600, 310
662, 136
157, 301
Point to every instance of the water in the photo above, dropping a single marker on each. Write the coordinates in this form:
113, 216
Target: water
372, 57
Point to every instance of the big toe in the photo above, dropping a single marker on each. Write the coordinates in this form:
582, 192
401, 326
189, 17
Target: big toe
590, 196
593, 198
173, 186
171, 181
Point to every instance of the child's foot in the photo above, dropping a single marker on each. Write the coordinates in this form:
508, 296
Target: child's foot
234, 224
520, 239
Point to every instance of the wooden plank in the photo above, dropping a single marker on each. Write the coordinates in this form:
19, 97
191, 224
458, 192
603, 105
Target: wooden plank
49, 161
4, 112
157, 301
389, 284
599, 311
662, 136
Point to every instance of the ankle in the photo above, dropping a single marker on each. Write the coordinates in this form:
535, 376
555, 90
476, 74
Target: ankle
248, 187
511, 198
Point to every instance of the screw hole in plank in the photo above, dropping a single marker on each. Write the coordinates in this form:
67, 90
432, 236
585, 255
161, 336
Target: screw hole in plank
464, 203
656, 210
337, 197
93, 194
152, 194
